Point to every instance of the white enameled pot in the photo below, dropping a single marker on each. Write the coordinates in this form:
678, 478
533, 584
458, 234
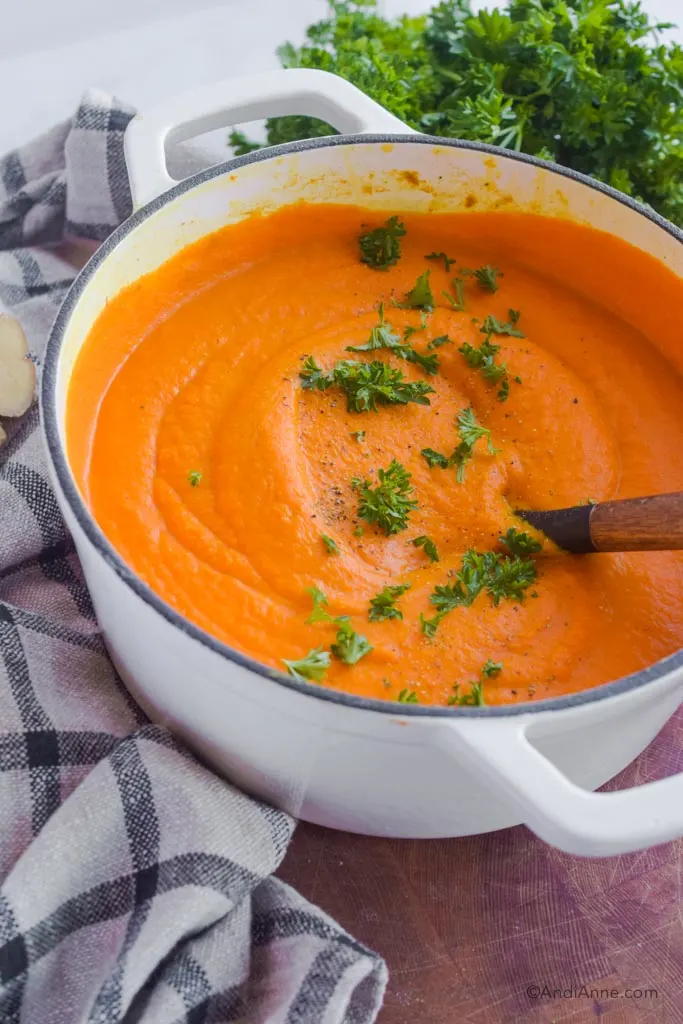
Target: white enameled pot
366, 766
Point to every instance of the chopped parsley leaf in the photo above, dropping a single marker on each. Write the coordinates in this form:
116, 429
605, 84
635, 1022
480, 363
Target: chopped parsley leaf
388, 505
382, 336
435, 458
483, 359
420, 295
383, 605
428, 546
520, 543
319, 604
381, 248
501, 576
194, 478
486, 277
448, 261
475, 696
366, 385
492, 325
408, 697
331, 546
457, 303
350, 646
313, 666
470, 432
443, 339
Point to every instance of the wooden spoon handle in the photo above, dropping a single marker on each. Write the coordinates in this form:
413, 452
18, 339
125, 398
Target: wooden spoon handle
633, 524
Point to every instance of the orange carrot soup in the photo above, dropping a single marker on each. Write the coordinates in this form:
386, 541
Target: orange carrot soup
308, 433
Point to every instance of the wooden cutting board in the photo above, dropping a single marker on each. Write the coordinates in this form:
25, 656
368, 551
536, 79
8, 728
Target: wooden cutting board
466, 925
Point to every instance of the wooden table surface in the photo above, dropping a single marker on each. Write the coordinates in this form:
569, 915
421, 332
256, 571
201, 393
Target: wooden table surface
466, 925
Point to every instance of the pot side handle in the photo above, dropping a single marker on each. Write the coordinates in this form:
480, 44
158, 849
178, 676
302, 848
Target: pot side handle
560, 812
299, 91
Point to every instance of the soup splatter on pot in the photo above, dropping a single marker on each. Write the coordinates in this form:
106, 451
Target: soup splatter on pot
308, 432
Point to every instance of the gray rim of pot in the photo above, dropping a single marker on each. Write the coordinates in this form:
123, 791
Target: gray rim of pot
106, 550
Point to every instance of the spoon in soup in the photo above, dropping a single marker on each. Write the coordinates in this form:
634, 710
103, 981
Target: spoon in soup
654, 523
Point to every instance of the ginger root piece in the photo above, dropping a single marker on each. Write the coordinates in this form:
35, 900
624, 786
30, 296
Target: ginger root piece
17, 372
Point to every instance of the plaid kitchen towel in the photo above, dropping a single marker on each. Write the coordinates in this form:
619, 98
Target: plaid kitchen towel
136, 886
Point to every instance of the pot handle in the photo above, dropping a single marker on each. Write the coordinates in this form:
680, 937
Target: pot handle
300, 91
563, 814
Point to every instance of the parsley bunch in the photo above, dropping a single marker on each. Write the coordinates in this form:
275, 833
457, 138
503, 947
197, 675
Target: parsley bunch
586, 83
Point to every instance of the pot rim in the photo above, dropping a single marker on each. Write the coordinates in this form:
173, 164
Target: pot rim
106, 550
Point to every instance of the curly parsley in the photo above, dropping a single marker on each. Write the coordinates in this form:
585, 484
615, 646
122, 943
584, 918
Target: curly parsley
389, 504
366, 385
312, 667
381, 247
383, 605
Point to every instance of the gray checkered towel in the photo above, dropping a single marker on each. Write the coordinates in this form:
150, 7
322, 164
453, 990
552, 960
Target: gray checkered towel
136, 886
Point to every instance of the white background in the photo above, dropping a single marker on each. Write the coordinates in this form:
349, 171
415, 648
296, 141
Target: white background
144, 50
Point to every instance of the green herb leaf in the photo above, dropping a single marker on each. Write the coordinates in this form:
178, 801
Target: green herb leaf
383, 605
435, 458
443, 339
381, 248
313, 377
359, 531
389, 504
420, 296
194, 478
491, 668
367, 385
501, 576
590, 85
382, 336
457, 303
350, 646
492, 325
486, 277
331, 546
319, 604
473, 698
428, 546
470, 432
312, 667
408, 697
520, 543
447, 260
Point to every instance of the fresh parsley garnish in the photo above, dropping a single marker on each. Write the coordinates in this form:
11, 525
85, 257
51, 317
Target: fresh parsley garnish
470, 432
520, 543
483, 358
408, 697
435, 458
448, 261
313, 666
590, 85
492, 325
420, 295
382, 336
319, 604
331, 546
194, 478
428, 546
475, 695
486, 277
383, 605
457, 303
501, 576
443, 339
389, 504
366, 385
350, 646
381, 248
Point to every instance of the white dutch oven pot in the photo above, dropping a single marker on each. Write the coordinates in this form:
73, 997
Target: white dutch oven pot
366, 766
